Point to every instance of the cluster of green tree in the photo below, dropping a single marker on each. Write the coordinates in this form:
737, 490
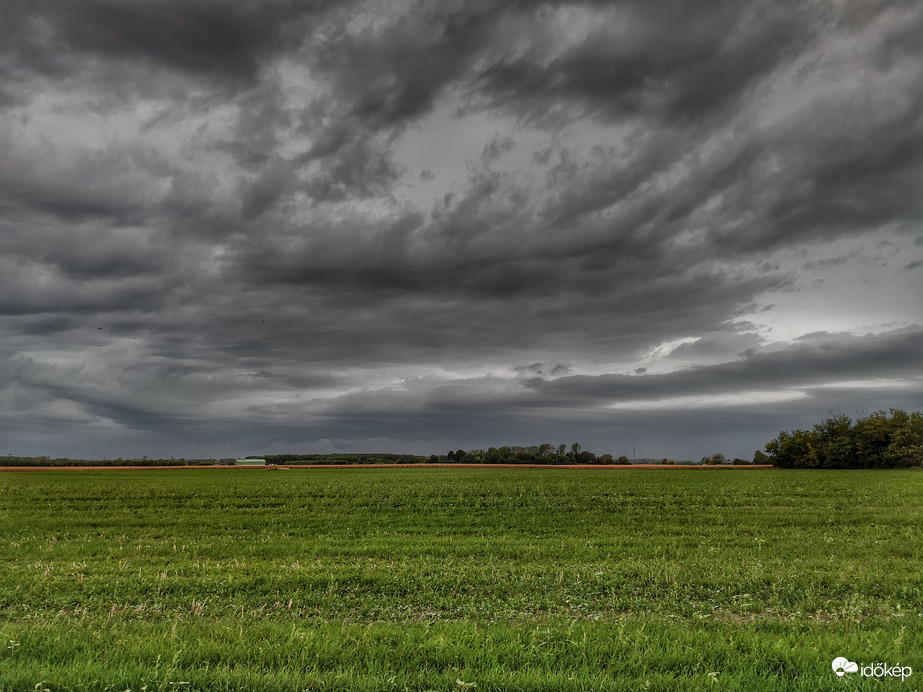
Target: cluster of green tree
536, 454
11, 460
881, 440
341, 459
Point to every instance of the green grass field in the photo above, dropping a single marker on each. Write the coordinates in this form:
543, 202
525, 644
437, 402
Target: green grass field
455, 579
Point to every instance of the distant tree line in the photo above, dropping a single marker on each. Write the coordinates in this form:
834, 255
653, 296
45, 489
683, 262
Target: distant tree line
343, 459
891, 439
720, 459
536, 454
11, 460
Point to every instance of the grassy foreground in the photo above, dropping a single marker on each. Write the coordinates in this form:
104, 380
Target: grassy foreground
454, 579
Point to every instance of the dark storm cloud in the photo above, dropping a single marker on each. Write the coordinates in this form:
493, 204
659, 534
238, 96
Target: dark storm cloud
361, 168
213, 38
346, 221
638, 65
394, 75
860, 182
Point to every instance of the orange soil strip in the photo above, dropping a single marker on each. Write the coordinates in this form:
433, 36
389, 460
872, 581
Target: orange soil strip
585, 467
615, 467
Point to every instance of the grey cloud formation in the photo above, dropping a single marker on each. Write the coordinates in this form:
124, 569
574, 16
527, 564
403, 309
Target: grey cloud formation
201, 38
812, 361
305, 226
667, 61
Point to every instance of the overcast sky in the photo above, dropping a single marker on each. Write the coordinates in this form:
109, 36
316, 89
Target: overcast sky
234, 228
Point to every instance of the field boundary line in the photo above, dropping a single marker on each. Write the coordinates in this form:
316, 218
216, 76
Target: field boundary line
276, 467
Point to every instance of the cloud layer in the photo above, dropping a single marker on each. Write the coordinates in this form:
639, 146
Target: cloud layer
307, 226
